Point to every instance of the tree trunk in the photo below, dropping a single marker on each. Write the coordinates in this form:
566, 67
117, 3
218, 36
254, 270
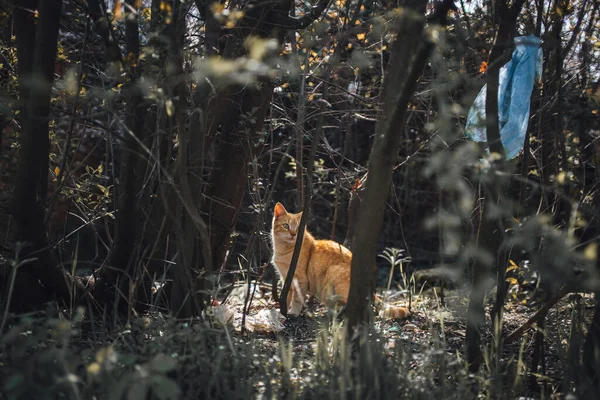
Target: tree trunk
492, 228
591, 347
564, 206
409, 55
354, 208
36, 48
123, 270
228, 182
231, 111
192, 235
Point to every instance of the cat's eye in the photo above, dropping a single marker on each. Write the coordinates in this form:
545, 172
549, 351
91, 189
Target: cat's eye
286, 226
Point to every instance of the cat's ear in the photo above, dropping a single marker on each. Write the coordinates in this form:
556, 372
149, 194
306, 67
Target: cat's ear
279, 210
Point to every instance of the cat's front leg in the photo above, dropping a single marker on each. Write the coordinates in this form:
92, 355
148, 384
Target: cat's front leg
295, 299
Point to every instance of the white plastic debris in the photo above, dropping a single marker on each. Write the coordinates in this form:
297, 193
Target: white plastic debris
265, 321
223, 313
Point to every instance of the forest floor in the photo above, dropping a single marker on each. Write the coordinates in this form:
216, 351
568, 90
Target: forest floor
179, 357
431, 322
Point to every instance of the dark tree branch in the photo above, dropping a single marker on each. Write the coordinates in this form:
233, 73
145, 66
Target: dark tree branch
539, 18
306, 210
535, 318
577, 29
507, 23
299, 23
212, 27
98, 15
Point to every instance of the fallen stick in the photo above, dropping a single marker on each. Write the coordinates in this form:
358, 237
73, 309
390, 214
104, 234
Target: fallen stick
539, 314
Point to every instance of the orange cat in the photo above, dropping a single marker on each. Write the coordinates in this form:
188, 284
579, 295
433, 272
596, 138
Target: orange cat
323, 268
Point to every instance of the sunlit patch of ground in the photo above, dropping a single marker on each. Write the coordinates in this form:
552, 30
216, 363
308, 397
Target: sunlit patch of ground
429, 323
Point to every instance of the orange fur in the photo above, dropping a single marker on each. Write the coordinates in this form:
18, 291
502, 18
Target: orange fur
323, 268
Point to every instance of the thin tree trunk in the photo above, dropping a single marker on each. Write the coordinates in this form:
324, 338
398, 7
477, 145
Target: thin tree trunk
409, 55
491, 228
125, 267
591, 347
122, 270
307, 191
563, 210
586, 47
185, 302
354, 205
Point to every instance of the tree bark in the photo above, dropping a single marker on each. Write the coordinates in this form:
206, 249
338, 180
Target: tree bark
122, 273
492, 228
409, 54
354, 208
193, 235
36, 47
237, 145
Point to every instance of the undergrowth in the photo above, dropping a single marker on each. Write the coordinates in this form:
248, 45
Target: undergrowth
157, 357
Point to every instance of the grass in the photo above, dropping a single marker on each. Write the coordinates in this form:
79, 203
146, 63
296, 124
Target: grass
47, 356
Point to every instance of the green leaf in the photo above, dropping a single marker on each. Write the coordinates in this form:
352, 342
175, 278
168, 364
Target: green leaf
138, 391
165, 388
13, 382
163, 363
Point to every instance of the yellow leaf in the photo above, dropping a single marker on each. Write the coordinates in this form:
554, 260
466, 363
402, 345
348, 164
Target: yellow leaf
512, 281
217, 8
93, 368
170, 107
56, 171
147, 13
512, 266
360, 36
105, 354
591, 252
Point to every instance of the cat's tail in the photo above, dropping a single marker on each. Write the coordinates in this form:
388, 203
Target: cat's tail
389, 311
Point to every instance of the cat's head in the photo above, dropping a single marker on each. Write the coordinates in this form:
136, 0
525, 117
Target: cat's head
285, 224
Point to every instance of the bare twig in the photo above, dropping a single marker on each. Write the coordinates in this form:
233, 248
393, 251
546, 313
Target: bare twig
307, 198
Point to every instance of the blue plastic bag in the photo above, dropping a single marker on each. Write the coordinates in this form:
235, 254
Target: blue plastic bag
516, 84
